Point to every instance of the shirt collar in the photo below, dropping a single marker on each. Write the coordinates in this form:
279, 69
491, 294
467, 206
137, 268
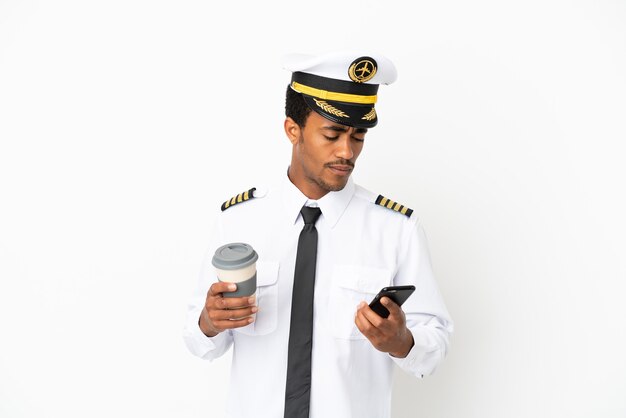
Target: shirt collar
332, 204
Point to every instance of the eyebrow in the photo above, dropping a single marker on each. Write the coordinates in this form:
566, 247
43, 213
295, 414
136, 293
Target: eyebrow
344, 129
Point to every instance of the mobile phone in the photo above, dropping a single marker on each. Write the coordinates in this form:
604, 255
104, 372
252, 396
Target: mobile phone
398, 294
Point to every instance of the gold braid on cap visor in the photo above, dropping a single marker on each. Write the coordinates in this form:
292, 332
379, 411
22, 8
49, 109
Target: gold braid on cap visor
331, 95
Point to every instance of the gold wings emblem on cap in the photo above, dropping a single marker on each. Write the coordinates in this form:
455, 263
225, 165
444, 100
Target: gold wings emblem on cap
330, 109
362, 69
371, 115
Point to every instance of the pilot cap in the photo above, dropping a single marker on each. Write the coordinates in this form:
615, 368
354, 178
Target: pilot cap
342, 86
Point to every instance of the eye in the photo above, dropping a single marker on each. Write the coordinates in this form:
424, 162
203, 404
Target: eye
331, 138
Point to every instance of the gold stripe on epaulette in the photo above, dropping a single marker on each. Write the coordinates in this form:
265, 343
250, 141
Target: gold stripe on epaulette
241, 197
395, 206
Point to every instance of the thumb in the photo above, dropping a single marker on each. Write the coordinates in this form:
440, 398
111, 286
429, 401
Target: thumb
391, 306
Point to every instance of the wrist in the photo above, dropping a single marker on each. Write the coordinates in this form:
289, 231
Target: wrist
205, 326
406, 345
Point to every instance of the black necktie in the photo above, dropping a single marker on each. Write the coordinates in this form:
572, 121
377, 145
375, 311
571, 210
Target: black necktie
298, 391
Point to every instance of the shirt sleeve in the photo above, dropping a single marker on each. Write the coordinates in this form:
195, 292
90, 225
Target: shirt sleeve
208, 348
426, 315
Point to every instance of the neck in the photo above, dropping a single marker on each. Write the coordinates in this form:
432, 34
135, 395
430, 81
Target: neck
308, 187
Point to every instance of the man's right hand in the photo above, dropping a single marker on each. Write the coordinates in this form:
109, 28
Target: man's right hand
220, 313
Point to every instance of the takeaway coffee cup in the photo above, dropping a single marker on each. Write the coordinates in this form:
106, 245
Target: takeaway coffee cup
236, 263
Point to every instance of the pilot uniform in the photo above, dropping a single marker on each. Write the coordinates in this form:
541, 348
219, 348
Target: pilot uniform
366, 242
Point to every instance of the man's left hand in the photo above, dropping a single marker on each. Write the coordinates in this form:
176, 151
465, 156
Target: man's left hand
389, 335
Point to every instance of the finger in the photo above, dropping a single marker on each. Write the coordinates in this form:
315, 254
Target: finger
221, 315
243, 302
372, 317
230, 324
361, 323
395, 311
220, 302
221, 287
365, 326
358, 321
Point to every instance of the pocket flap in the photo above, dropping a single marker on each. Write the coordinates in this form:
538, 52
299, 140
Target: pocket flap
362, 279
266, 273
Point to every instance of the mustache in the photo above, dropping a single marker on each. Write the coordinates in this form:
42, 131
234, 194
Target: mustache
340, 162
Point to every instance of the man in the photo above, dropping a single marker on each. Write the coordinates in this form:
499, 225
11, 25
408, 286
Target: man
309, 345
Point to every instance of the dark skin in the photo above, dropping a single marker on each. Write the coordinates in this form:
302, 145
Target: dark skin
323, 157
323, 154
220, 313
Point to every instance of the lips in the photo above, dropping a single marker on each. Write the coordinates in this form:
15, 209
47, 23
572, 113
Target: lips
342, 170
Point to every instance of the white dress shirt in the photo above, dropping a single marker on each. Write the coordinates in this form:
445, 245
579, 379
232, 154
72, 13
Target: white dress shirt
362, 247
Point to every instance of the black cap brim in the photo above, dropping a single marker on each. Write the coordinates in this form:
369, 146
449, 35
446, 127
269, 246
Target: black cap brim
349, 114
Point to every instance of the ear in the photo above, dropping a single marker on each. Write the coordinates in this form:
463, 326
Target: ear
292, 130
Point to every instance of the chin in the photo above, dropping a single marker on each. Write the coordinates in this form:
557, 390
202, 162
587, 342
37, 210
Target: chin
333, 186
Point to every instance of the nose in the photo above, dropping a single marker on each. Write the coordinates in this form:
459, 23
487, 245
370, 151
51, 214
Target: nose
344, 147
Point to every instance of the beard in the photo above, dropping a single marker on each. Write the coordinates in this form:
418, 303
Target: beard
323, 183
328, 186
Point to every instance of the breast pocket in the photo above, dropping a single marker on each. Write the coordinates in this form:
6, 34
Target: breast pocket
267, 300
351, 285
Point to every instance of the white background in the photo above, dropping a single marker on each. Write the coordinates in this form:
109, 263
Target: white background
125, 124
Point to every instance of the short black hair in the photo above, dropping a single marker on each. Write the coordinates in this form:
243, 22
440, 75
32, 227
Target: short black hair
295, 107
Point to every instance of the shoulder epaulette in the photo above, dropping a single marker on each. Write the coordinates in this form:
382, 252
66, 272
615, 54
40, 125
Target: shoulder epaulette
241, 197
390, 204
